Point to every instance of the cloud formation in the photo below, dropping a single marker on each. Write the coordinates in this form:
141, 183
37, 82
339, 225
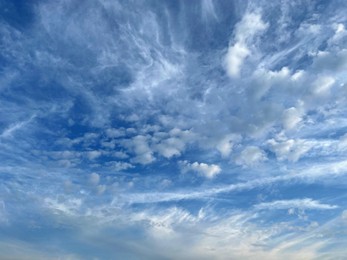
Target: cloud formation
161, 129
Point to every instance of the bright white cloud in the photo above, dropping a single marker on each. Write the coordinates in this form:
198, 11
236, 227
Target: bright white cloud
289, 149
250, 156
295, 203
225, 145
250, 25
204, 169
170, 147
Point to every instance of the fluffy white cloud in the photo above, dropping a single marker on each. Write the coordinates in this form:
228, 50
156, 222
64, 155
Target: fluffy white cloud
143, 153
204, 169
170, 147
340, 33
250, 25
225, 145
250, 156
289, 149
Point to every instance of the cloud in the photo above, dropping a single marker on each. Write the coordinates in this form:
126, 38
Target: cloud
170, 147
144, 93
114, 133
143, 153
225, 145
322, 85
120, 166
92, 155
313, 173
14, 127
250, 156
245, 31
67, 206
94, 178
204, 169
294, 203
291, 117
289, 149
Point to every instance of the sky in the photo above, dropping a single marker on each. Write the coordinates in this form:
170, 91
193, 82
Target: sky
173, 129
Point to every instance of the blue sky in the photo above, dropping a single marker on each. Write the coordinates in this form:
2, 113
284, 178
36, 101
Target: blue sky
173, 129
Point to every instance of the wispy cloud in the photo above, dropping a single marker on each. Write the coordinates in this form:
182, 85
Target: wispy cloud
294, 203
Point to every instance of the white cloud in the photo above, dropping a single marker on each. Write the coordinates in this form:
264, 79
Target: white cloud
208, 10
322, 85
317, 172
340, 33
92, 155
9, 131
143, 153
206, 170
235, 57
225, 145
295, 203
263, 80
170, 147
250, 25
120, 155
66, 206
291, 117
115, 133
332, 61
290, 149
250, 156
121, 166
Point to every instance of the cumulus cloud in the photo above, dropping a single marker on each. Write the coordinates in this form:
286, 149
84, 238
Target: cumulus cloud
289, 149
250, 156
143, 153
250, 25
170, 147
204, 169
225, 145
